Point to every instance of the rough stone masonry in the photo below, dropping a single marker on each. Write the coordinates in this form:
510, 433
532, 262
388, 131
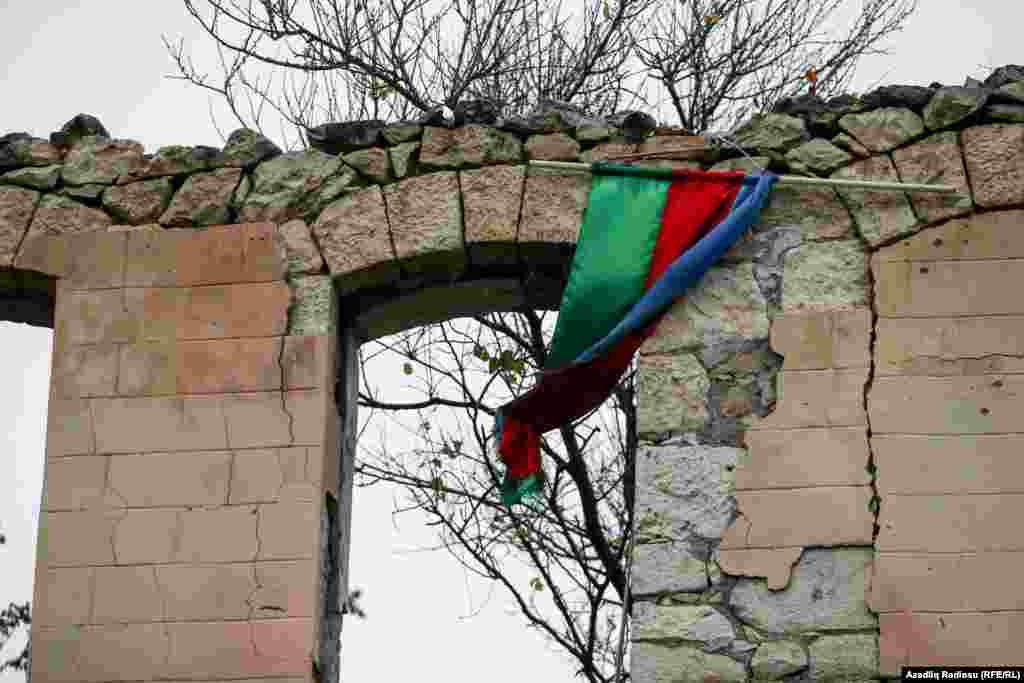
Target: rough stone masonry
829, 478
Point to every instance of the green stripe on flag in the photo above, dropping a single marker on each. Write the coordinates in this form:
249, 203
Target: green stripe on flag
613, 256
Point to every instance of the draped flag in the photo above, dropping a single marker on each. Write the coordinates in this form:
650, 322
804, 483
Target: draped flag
648, 234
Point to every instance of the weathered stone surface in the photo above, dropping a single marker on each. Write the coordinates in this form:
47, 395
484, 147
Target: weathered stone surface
776, 659
828, 591
824, 276
21, 149
667, 567
653, 663
593, 133
818, 155
995, 162
554, 115
472, 145
36, 177
99, 160
58, 215
851, 657
16, 208
698, 623
293, 185
671, 394
817, 211
953, 104
174, 160
245, 148
553, 205
883, 129
774, 132
79, 127
1005, 74
89, 193
138, 203
879, 216
490, 199
483, 111
935, 160
1004, 113
397, 133
203, 199
372, 163
634, 125
313, 310
914, 97
685, 491
403, 159
725, 305
339, 138
610, 151
301, 253
354, 239
746, 164
552, 147
426, 223
1015, 89
844, 141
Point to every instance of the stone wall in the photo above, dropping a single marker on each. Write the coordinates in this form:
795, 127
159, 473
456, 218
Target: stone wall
827, 420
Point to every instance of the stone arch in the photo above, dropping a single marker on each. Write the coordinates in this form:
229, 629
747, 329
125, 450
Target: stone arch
205, 303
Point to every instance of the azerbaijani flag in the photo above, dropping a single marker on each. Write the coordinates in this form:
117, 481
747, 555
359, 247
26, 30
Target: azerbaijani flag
648, 234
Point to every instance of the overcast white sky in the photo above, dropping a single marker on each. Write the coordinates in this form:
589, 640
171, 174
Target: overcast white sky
105, 57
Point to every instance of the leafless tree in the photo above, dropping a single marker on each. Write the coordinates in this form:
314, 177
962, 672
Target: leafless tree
574, 540
13, 618
702, 62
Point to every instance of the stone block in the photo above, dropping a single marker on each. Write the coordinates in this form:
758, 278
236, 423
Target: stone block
818, 212
950, 640
260, 420
139, 203
127, 594
314, 306
980, 582
828, 592
308, 362
302, 256
776, 659
553, 205
425, 214
471, 145
81, 371
667, 567
16, 208
671, 394
937, 288
881, 130
74, 539
970, 463
823, 340
818, 398
951, 523
222, 534
825, 276
992, 235
151, 256
658, 663
95, 159
289, 531
827, 515
355, 240
701, 624
946, 405
848, 657
96, 259
63, 597
491, 200
229, 365
204, 199
995, 163
285, 589
247, 310
158, 424
879, 216
54, 216
69, 428
229, 254
121, 652
98, 316
552, 147
804, 457
935, 160
227, 650
210, 592
147, 536
162, 479
684, 491
75, 483
294, 185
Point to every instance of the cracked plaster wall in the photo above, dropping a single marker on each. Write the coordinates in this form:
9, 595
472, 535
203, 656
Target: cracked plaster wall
788, 406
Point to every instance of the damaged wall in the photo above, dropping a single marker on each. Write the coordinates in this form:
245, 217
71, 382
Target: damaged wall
828, 420
830, 478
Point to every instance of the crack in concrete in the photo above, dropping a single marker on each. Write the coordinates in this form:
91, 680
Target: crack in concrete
284, 401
